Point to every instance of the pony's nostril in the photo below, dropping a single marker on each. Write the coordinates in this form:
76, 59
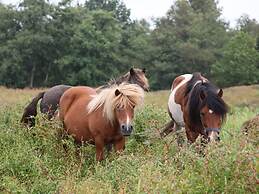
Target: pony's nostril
130, 128
123, 127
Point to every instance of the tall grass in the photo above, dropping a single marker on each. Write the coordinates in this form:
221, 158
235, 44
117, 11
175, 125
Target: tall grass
45, 160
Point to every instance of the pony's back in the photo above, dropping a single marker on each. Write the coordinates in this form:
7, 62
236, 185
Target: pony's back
50, 101
71, 96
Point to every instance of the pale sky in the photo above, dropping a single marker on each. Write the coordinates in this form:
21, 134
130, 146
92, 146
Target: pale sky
232, 9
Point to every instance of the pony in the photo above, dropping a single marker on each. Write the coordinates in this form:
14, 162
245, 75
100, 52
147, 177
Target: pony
134, 76
48, 104
102, 118
50, 98
196, 104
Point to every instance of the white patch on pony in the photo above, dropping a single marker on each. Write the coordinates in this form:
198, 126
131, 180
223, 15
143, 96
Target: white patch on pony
197, 83
213, 135
127, 120
210, 111
174, 108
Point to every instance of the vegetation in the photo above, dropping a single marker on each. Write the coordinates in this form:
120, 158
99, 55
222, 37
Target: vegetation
42, 160
240, 50
43, 44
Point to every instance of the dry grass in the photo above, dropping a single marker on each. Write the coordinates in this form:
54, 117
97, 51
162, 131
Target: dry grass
234, 96
242, 95
16, 96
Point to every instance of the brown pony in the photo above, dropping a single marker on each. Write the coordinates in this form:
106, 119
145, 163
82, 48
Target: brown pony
51, 97
134, 76
100, 118
197, 105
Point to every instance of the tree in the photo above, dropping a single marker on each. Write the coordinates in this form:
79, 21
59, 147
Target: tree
188, 39
135, 46
9, 26
93, 49
65, 22
248, 25
117, 7
30, 50
240, 62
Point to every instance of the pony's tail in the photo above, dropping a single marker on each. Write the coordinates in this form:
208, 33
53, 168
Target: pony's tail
30, 111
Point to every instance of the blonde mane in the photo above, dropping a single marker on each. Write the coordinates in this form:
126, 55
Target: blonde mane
130, 94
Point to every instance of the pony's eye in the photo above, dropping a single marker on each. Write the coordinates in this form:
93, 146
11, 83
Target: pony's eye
202, 114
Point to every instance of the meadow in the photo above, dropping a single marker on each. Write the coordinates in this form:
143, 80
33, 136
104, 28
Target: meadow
34, 160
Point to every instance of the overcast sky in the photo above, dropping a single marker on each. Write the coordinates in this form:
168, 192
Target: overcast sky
232, 9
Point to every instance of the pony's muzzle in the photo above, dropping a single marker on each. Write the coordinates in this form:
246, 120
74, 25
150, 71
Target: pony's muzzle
126, 129
213, 136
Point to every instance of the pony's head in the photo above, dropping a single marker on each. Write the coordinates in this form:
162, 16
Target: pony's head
207, 110
118, 103
138, 76
134, 76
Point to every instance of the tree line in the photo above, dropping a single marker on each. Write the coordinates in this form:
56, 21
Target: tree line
44, 44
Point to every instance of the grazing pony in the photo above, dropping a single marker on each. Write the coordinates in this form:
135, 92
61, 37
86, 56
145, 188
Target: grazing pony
134, 76
197, 105
51, 97
48, 104
100, 118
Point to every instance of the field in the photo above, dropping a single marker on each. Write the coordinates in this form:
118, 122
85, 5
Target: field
34, 160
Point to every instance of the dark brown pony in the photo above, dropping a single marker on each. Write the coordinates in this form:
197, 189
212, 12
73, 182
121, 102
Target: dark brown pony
48, 104
100, 118
197, 105
51, 97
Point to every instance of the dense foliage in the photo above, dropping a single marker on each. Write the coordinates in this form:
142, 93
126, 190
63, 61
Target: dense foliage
43, 44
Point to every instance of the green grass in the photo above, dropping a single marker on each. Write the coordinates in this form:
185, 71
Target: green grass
35, 160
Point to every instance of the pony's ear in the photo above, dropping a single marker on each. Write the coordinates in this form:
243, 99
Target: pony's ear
220, 93
132, 72
202, 95
144, 70
117, 92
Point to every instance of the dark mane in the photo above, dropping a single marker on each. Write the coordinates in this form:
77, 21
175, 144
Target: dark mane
119, 80
190, 84
211, 99
132, 79
112, 82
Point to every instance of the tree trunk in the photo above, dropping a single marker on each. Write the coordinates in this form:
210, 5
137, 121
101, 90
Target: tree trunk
32, 76
47, 76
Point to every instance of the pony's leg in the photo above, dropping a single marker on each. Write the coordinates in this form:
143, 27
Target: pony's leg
120, 144
108, 147
169, 128
179, 138
99, 144
191, 136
